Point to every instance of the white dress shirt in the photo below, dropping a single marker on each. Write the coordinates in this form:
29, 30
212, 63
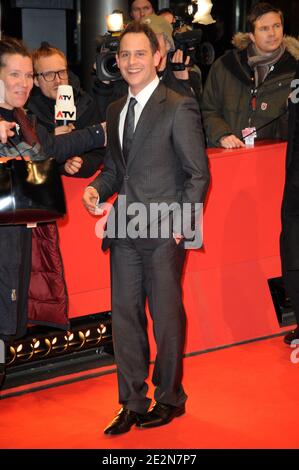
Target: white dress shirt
142, 98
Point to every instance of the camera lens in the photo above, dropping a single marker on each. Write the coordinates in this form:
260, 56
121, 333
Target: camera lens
111, 65
106, 67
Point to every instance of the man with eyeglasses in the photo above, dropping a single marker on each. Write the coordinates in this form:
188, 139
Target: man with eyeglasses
50, 76
51, 71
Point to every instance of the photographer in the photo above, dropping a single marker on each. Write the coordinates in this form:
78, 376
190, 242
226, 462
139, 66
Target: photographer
168, 15
185, 82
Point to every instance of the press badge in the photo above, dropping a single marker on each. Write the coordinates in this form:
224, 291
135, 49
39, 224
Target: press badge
249, 134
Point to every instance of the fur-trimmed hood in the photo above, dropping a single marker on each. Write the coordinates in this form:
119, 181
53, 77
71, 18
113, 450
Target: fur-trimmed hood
242, 40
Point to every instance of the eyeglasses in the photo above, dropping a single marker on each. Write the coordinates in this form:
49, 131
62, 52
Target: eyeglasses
50, 76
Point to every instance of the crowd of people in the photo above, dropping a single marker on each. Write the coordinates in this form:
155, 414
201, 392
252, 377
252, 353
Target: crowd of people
156, 115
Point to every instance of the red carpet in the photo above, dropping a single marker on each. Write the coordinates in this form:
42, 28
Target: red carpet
242, 397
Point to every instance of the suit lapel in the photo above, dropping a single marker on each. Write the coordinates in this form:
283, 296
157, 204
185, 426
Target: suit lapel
148, 116
114, 126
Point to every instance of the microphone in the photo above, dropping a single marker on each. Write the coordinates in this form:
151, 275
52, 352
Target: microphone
65, 109
265, 125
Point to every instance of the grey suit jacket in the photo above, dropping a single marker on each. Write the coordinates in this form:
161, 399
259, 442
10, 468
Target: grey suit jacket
167, 160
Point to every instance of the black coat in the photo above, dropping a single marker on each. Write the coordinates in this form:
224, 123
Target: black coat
290, 205
87, 115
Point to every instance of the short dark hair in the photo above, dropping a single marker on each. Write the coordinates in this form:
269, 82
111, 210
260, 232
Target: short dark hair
258, 10
137, 27
11, 46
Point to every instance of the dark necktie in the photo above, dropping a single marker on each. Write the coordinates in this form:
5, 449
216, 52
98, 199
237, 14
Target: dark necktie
129, 129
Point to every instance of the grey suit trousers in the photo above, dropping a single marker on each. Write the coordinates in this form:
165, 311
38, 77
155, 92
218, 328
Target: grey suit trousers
149, 268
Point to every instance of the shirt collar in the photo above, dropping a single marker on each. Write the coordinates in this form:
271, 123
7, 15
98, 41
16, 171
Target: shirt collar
143, 96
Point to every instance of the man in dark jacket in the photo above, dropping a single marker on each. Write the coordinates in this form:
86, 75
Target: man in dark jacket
289, 241
155, 156
248, 87
51, 71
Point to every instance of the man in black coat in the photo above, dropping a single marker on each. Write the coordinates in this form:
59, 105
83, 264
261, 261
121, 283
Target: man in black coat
289, 242
51, 71
155, 155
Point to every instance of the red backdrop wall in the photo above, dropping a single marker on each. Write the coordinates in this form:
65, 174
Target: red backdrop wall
226, 294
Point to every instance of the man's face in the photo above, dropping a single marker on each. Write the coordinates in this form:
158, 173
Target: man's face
141, 8
44, 65
17, 76
268, 33
136, 61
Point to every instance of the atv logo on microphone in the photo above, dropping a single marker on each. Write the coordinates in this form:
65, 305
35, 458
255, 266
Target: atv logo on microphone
65, 109
65, 97
70, 115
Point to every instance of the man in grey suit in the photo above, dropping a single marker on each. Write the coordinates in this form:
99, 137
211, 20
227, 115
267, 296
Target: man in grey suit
159, 158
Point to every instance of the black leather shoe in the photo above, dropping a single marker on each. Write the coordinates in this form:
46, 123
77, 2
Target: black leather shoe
122, 422
289, 337
159, 415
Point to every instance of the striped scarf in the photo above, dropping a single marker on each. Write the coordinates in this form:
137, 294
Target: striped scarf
261, 64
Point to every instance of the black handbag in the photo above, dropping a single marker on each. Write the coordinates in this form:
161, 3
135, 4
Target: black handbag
30, 192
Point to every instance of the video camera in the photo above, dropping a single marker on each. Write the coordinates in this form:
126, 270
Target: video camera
107, 46
190, 42
106, 66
